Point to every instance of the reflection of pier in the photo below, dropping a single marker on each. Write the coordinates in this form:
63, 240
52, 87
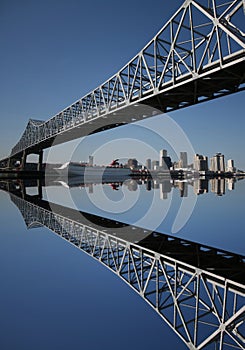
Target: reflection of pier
197, 290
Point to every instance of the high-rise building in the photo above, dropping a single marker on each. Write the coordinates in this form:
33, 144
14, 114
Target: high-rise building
155, 164
230, 165
217, 163
148, 164
163, 153
183, 160
200, 162
164, 161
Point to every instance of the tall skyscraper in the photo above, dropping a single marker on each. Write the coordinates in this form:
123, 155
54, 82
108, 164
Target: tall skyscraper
164, 161
230, 165
155, 164
217, 163
200, 162
183, 159
148, 164
163, 153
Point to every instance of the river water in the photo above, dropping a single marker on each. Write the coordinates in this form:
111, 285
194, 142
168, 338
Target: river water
54, 296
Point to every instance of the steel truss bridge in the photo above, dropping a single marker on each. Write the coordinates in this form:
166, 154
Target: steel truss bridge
198, 55
197, 290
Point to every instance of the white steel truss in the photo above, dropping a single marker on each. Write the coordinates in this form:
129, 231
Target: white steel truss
198, 55
205, 309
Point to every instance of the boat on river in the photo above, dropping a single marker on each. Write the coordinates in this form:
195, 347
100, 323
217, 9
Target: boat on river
112, 171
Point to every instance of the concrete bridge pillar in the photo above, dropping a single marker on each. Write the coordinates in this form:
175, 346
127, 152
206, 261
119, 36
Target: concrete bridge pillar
17, 161
40, 160
40, 188
12, 162
23, 159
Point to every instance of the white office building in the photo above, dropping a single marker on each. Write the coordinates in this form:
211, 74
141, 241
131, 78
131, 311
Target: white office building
217, 163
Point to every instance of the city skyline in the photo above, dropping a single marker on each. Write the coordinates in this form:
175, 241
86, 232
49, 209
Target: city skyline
40, 81
152, 258
199, 162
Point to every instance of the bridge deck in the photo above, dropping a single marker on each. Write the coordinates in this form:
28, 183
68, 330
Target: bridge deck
198, 55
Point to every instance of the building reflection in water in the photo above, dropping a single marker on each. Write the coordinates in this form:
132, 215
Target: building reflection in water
196, 289
199, 186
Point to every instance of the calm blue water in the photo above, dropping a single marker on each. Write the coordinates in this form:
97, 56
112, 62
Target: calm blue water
54, 296
213, 219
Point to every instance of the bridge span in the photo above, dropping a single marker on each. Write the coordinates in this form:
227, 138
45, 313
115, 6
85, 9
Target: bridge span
198, 55
197, 290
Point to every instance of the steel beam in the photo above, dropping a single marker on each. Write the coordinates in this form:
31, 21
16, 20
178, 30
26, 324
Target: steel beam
198, 55
201, 305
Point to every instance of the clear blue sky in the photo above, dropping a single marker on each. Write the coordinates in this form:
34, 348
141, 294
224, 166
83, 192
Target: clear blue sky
54, 52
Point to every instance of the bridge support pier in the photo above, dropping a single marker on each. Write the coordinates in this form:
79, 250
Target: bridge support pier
40, 160
11, 163
23, 159
40, 189
23, 190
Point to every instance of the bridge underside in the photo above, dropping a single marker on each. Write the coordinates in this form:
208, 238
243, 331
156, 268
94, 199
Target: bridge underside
220, 83
189, 91
198, 55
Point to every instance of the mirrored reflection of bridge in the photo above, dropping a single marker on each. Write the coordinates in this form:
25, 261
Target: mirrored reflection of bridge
197, 290
198, 55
